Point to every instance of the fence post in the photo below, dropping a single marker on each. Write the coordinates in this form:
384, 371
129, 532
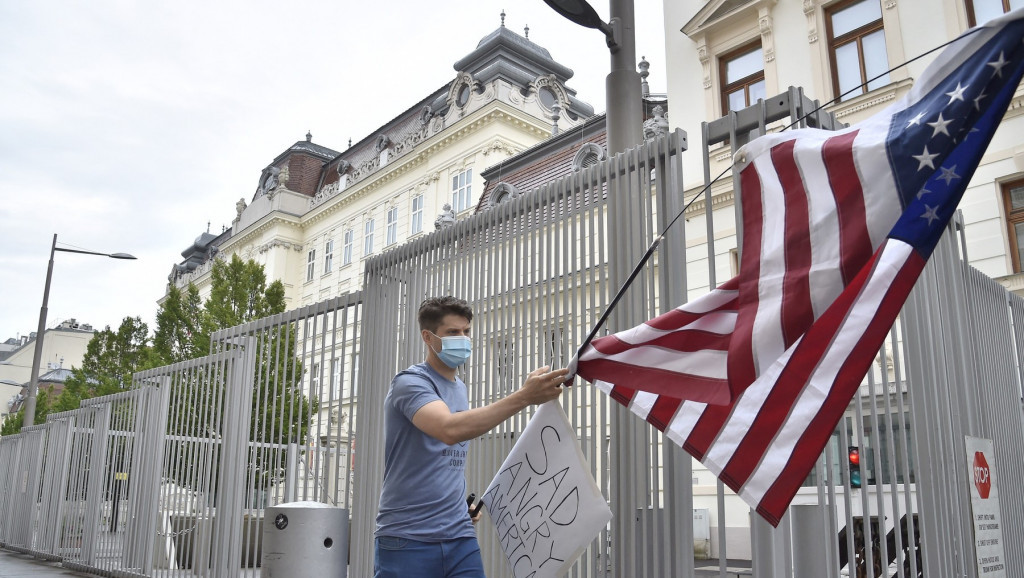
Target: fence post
227, 524
94, 488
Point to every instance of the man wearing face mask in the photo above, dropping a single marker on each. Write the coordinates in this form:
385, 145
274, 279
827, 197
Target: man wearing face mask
423, 526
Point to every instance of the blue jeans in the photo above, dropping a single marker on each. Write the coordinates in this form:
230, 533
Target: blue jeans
404, 558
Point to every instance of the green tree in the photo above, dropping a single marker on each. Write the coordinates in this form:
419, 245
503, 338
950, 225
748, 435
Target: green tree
183, 330
239, 293
43, 408
111, 357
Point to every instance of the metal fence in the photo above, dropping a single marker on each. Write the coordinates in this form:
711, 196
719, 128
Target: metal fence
172, 477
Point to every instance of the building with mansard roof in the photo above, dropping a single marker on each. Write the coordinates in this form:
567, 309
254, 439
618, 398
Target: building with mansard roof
318, 212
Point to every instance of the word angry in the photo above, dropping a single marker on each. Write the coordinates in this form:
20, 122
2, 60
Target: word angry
544, 505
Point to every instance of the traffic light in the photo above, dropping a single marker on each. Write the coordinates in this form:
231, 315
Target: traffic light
854, 457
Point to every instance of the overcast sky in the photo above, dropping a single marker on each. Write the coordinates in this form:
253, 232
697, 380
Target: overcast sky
126, 126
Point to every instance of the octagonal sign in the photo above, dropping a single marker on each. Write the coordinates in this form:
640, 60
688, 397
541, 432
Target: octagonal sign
982, 475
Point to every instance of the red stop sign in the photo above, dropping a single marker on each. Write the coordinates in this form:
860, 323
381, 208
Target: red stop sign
982, 475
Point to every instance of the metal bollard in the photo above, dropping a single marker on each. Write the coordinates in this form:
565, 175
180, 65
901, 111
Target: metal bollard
305, 539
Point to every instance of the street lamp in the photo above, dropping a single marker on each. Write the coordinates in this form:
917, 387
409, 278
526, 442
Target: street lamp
623, 116
33, 384
624, 122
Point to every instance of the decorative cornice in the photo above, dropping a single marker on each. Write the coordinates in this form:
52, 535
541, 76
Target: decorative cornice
192, 276
705, 60
1016, 107
812, 21
765, 25
500, 145
432, 146
869, 100
718, 200
250, 235
275, 243
355, 192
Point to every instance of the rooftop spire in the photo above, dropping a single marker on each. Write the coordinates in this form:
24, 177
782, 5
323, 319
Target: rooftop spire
502, 17
527, 31
309, 136
644, 66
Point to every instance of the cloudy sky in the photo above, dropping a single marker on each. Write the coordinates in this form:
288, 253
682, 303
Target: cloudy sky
127, 126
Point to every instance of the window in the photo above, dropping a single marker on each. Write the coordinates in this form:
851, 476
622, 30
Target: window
368, 238
328, 256
346, 249
981, 11
503, 192
315, 379
336, 378
1013, 196
392, 229
857, 47
461, 190
417, 215
589, 155
310, 264
742, 74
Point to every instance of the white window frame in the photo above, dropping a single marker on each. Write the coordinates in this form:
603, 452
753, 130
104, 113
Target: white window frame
328, 256
346, 248
310, 264
462, 190
336, 377
392, 227
368, 228
416, 223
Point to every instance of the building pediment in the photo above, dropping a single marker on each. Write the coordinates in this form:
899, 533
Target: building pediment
720, 11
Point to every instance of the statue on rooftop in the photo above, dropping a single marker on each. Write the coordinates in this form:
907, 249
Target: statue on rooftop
446, 218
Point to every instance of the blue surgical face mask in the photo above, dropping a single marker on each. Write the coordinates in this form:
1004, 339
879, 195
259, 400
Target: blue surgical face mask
455, 349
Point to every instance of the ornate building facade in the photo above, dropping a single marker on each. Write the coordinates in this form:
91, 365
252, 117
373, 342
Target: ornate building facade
317, 213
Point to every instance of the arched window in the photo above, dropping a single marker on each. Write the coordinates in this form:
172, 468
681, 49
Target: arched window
589, 154
503, 192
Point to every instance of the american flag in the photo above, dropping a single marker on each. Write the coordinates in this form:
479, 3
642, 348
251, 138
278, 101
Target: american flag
752, 378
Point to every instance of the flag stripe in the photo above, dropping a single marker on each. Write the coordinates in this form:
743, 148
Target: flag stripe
825, 277
741, 361
687, 339
766, 339
854, 240
794, 399
795, 311
815, 434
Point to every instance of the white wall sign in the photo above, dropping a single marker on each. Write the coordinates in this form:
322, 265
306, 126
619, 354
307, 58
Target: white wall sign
988, 534
543, 502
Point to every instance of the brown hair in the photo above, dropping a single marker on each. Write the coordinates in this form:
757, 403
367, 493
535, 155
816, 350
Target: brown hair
434, 309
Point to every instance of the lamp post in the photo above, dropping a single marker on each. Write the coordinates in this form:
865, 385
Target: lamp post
37, 355
623, 101
624, 122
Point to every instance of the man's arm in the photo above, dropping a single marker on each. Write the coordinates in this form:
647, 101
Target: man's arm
436, 419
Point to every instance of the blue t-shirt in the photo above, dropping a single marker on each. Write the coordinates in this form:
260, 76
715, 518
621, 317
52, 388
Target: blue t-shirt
424, 493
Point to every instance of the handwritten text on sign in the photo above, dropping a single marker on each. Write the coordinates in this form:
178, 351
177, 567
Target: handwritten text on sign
544, 504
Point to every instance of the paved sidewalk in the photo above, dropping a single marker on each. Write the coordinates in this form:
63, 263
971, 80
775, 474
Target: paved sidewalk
16, 565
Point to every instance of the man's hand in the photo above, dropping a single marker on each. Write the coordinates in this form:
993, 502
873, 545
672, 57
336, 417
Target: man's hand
542, 385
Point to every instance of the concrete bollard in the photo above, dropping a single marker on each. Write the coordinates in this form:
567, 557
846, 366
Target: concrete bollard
305, 539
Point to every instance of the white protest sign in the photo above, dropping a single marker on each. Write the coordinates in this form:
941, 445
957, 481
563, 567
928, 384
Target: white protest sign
544, 504
988, 534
